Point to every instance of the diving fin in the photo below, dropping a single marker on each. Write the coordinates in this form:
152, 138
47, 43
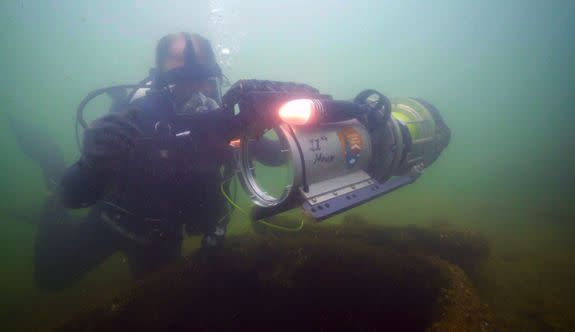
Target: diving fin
40, 147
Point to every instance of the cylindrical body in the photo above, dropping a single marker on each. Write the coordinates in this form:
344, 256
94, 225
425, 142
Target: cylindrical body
415, 117
428, 134
334, 149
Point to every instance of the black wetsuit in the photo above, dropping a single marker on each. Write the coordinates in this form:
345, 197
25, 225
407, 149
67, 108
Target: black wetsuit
171, 182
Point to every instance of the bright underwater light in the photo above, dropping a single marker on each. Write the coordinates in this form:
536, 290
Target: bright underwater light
297, 112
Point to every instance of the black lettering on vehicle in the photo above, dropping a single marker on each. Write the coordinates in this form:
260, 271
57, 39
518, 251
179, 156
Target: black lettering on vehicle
321, 158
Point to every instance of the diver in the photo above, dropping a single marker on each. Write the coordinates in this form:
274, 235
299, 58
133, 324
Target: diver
149, 173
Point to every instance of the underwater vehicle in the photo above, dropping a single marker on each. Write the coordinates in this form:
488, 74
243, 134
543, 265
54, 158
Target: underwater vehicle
338, 154
335, 154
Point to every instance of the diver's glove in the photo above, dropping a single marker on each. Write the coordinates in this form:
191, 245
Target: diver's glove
110, 140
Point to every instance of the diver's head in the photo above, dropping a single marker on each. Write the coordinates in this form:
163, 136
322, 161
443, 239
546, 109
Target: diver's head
187, 63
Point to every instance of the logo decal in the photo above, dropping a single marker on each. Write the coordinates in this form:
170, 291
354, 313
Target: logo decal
351, 145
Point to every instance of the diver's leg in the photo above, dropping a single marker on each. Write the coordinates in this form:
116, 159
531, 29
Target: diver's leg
216, 216
66, 249
144, 259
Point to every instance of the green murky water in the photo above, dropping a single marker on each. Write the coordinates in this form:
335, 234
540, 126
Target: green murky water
501, 72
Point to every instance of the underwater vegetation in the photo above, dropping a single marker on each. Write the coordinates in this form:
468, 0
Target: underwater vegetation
354, 276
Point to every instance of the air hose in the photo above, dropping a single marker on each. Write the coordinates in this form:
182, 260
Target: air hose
80, 109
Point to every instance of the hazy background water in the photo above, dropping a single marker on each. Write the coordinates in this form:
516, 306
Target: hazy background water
501, 72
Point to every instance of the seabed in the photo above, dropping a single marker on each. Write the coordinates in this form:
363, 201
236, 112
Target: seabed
353, 276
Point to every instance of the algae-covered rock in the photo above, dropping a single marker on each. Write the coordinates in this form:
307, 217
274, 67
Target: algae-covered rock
323, 279
463, 248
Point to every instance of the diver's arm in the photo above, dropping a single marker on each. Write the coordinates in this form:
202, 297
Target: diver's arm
228, 127
107, 143
82, 185
266, 151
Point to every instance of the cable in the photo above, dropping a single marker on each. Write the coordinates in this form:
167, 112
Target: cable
263, 222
